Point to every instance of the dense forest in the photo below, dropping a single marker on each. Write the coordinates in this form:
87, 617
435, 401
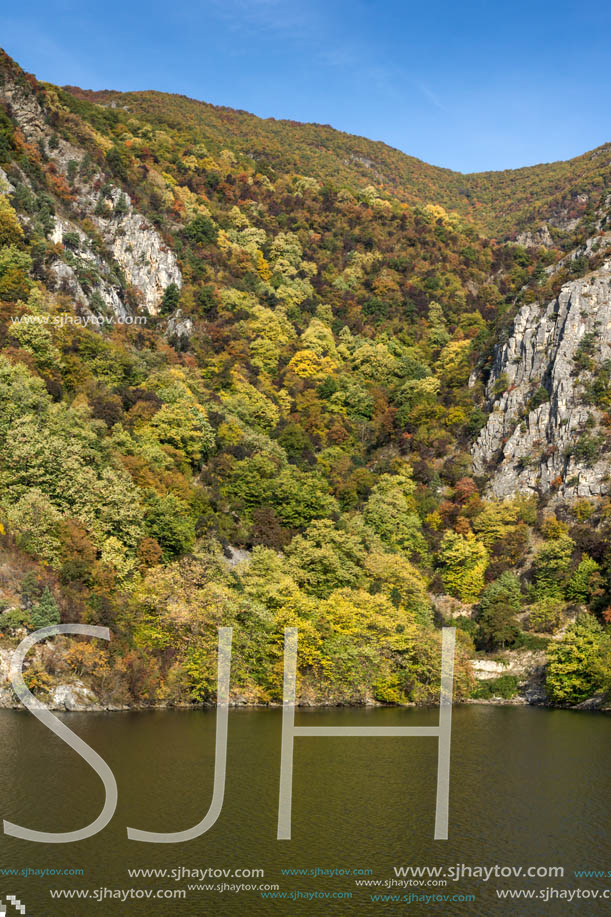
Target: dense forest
500, 202
283, 439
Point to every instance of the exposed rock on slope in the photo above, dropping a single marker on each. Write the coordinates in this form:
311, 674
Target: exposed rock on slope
542, 433
527, 666
148, 264
64, 277
145, 263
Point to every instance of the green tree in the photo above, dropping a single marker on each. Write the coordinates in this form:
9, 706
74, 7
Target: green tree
573, 667
115, 160
14, 267
121, 207
170, 299
251, 406
585, 582
325, 558
35, 524
499, 604
299, 497
168, 520
438, 329
552, 562
545, 616
398, 579
10, 227
390, 512
45, 612
201, 230
463, 561
184, 426
21, 393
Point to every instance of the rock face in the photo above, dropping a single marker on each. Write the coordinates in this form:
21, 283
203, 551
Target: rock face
537, 237
63, 277
136, 255
7, 696
73, 697
179, 326
526, 665
447, 608
543, 432
148, 264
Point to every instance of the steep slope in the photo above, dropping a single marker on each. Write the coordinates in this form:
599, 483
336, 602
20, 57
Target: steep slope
545, 432
121, 250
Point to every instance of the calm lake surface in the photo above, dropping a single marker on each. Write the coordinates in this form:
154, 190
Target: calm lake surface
529, 787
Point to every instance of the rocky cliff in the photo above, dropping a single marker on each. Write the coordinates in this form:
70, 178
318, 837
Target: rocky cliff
547, 396
114, 261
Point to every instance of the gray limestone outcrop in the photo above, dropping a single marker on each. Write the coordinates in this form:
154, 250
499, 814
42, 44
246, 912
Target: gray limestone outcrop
179, 327
148, 264
145, 263
543, 433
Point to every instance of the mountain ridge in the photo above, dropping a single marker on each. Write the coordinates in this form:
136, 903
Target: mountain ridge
461, 187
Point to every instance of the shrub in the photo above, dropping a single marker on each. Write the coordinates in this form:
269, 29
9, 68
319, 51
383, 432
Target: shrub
588, 449
501, 385
506, 686
532, 642
463, 622
13, 619
545, 616
541, 396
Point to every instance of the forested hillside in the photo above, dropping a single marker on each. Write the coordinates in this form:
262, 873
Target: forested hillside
502, 203
243, 367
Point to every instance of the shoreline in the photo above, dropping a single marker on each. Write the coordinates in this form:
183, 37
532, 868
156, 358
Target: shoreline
590, 705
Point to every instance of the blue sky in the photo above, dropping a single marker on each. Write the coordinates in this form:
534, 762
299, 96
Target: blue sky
467, 84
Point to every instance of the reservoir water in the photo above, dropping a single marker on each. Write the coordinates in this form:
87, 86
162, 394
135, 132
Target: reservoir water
529, 787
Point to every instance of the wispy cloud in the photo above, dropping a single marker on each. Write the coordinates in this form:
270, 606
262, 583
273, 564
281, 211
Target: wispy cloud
296, 20
433, 98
